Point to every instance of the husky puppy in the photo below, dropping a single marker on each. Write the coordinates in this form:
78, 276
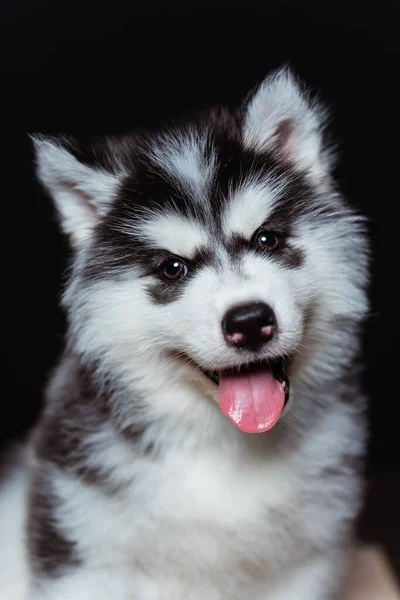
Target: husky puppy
203, 429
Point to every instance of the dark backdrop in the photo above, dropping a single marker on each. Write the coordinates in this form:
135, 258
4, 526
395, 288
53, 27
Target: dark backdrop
87, 70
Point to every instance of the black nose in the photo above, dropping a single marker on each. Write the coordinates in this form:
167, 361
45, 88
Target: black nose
249, 325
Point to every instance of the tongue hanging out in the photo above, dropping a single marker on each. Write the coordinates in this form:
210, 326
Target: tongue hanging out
253, 401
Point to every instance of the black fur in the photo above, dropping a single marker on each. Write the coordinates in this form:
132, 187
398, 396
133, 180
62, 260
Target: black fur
81, 406
50, 550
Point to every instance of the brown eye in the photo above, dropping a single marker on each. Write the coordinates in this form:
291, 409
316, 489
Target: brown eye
267, 241
174, 269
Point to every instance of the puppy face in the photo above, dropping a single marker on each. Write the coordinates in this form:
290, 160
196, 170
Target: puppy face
214, 251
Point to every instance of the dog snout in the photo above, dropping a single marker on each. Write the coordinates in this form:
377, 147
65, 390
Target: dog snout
249, 325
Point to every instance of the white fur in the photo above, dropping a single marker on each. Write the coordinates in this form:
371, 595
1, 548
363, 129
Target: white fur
182, 157
187, 504
14, 570
249, 207
81, 194
174, 233
278, 101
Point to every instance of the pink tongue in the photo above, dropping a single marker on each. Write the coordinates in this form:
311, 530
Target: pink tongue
253, 401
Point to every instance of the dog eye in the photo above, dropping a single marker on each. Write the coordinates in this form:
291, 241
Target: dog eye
267, 240
174, 269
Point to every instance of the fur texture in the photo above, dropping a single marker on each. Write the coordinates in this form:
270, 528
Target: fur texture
139, 487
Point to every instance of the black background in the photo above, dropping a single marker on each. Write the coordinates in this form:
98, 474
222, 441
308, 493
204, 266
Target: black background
86, 69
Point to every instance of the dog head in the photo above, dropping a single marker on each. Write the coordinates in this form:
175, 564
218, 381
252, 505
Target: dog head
218, 252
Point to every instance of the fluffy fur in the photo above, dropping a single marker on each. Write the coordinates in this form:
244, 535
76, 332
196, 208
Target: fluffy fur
139, 487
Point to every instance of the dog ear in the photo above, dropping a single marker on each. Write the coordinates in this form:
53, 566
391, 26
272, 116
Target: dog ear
82, 192
281, 118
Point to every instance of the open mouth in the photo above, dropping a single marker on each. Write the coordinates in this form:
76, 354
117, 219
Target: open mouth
254, 395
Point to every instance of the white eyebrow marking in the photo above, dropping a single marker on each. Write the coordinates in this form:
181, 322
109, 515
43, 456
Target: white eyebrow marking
249, 207
174, 233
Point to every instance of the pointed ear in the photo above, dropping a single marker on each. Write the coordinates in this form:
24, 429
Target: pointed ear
82, 193
282, 119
